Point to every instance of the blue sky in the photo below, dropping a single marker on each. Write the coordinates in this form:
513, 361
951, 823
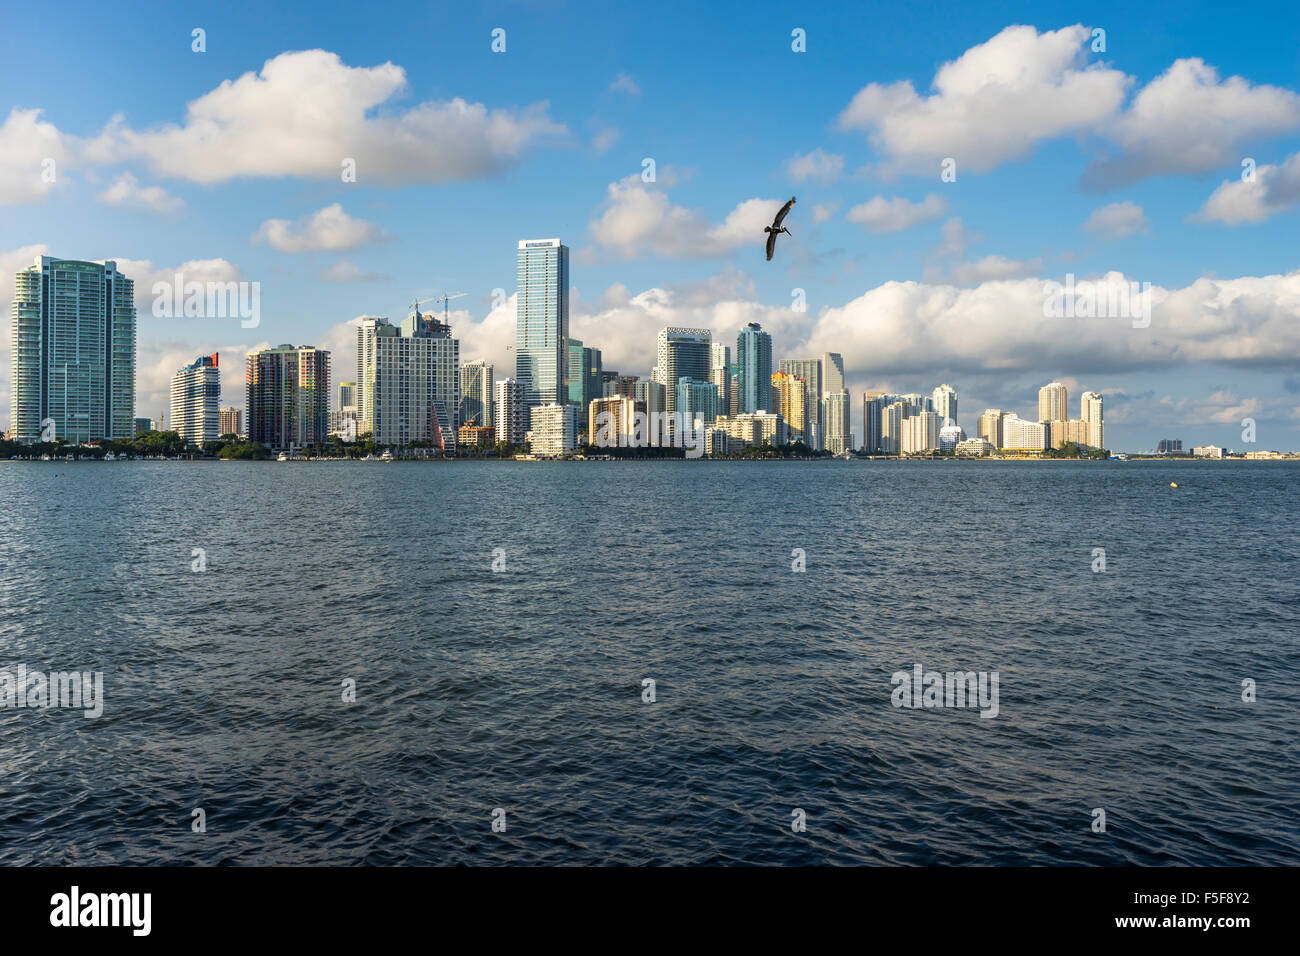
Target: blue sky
915, 280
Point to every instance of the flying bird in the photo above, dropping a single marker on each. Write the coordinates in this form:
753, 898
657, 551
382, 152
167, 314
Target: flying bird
776, 229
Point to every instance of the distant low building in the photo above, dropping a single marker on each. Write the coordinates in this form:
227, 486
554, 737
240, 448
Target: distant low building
143, 425
1170, 446
1209, 451
1021, 435
974, 448
476, 436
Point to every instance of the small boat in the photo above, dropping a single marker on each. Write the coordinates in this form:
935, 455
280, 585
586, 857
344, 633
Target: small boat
110, 457
283, 457
386, 456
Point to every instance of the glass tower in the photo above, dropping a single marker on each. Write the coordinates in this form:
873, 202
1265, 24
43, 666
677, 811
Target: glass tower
542, 321
754, 357
73, 338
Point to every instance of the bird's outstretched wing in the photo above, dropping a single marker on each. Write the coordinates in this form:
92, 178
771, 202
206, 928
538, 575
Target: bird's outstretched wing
771, 245
782, 214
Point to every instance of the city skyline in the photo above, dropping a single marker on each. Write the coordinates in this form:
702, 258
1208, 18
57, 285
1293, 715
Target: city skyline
913, 279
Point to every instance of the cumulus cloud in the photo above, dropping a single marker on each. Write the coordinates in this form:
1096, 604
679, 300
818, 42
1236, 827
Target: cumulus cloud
604, 139
32, 157
993, 269
623, 82
637, 219
1117, 220
1187, 120
818, 166
305, 112
126, 191
994, 103
893, 215
825, 211
345, 271
329, 229
1275, 189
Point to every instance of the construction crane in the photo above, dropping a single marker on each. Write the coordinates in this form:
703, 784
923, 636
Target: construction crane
444, 299
415, 306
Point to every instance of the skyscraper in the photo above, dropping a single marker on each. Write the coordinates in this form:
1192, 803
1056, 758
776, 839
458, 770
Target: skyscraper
476, 393
790, 401
682, 353
542, 320
408, 378
1052, 403
697, 400
835, 416
720, 374
196, 400
873, 405
73, 340
1091, 412
593, 368
511, 412
347, 395
288, 395
944, 401
230, 421
754, 358
575, 373
810, 370
990, 427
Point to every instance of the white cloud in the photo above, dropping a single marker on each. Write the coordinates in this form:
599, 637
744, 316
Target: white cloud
1117, 220
994, 269
604, 139
127, 191
626, 84
956, 239
344, 271
638, 220
892, 215
27, 146
1275, 189
818, 166
825, 211
329, 229
1189, 121
994, 103
305, 112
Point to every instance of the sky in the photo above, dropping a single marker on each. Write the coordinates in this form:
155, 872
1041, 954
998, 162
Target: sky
949, 163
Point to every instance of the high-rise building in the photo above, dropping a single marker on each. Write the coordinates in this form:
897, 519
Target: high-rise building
196, 400
944, 402
790, 401
610, 421
347, 395
1170, 446
476, 393
511, 411
835, 417
575, 375
754, 362
651, 395
1072, 430
230, 421
553, 429
73, 352
1052, 403
892, 417
408, 381
697, 400
288, 395
810, 370
615, 384
990, 427
1021, 435
682, 353
832, 383
143, 425
542, 320
1091, 412
874, 404
919, 433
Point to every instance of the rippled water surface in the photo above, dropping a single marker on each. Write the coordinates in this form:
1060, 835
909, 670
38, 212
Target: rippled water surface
522, 689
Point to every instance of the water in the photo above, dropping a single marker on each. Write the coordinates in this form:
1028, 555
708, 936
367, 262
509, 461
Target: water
521, 690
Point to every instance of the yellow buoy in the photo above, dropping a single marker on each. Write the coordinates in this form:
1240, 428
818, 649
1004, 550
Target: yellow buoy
1173, 484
